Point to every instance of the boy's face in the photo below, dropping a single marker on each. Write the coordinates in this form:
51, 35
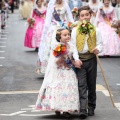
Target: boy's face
84, 15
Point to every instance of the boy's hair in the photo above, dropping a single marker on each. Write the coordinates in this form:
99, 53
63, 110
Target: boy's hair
58, 33
84, 8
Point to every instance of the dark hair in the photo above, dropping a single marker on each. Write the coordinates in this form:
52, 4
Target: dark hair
84, 8
58, 33
37, 1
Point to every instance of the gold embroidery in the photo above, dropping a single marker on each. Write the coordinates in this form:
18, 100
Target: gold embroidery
81, 38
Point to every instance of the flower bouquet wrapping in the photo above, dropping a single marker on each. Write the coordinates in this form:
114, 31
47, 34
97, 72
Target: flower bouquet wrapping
116, 25
31, 22
64, 60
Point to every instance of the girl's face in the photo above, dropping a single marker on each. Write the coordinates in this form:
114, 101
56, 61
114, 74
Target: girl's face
65, 36
106, 3
39, 3
84, 15
58, 1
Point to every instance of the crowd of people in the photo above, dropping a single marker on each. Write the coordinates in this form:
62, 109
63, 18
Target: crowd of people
67, 56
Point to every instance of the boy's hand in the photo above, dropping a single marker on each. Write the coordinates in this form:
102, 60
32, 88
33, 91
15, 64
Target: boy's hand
78, 63
95, 51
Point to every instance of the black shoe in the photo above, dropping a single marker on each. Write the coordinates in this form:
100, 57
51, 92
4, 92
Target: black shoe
36, 49
2, 26
66, 114
57, 113
83, 114
91, 111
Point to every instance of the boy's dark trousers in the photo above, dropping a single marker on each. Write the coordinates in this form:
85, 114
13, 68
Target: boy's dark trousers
87, 82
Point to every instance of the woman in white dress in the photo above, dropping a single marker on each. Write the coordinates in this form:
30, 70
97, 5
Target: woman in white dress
51, 24
25, 8
59, 91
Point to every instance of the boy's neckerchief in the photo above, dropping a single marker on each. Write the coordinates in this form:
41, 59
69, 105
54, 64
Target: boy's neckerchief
105, 16
57, 18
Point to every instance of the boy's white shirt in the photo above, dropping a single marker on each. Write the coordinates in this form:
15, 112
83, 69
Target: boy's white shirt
75, 52
85, 49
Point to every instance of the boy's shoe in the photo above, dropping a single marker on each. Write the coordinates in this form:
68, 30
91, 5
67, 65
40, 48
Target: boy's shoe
91, 111
66, 114
36, 49
83, 114
57, 113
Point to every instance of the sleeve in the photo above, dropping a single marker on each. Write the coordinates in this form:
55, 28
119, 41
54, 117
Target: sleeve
99, 44
68, 13
73, 36
98, 17
114, 15
75, 53
33, 14
73, 42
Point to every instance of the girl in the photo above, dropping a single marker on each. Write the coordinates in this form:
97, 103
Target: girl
33, 33
59, 91
104, 19
61, 9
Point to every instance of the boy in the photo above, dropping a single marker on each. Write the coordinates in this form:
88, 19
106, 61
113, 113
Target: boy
88, 72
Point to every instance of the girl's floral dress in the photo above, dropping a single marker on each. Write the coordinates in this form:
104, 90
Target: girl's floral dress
59, 91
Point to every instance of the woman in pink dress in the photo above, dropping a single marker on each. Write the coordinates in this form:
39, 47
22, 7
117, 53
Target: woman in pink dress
104, 19
33, 33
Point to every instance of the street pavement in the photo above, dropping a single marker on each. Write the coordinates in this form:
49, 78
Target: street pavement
19, 84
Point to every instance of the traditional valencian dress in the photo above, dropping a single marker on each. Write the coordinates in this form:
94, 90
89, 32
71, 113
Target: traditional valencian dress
59, 91
111, 41
33, 35
25, 8
51, 32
